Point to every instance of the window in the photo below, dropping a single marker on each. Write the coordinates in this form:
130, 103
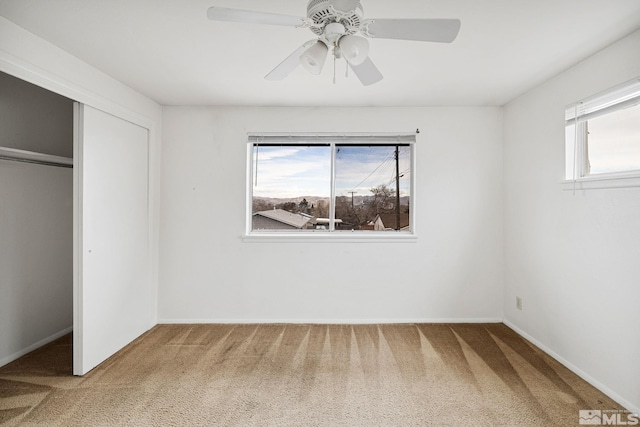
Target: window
328, 184
603, 134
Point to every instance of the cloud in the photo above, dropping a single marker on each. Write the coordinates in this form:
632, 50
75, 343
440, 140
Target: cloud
305, 170
293, 171
270, 153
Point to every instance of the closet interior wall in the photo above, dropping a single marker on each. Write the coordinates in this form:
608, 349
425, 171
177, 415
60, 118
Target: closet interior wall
36, 219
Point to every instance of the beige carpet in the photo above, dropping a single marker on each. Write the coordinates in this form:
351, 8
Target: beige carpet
303, 375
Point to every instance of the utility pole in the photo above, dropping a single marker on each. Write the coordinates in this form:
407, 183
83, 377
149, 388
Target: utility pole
352, 193
397, 189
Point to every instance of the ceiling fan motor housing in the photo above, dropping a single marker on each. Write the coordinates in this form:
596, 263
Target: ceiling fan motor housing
322, 13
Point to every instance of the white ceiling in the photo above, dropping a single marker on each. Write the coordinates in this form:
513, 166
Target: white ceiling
169, 51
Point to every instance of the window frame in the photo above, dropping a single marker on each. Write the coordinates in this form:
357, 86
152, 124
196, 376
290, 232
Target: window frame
332, 235
577, 115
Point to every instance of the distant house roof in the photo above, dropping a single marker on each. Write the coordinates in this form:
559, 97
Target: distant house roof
389, 220
291, 219
325, 221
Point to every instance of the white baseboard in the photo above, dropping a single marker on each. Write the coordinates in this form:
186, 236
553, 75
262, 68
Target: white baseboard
588, 378
10, 358
324, 321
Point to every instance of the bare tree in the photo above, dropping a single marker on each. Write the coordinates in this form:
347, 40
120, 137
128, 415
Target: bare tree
288, 206
382, 201
320, 209
303, 206
259, 205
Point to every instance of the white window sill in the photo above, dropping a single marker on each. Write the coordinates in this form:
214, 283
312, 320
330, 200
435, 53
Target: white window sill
603, 181
332, 237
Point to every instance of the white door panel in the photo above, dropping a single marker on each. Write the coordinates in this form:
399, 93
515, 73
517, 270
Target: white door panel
112, 281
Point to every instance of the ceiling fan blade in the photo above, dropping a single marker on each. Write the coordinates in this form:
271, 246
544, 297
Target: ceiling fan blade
367, 72
426, 30
344, 5
252, 17
287, 66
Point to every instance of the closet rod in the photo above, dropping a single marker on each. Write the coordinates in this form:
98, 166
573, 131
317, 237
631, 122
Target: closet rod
13, 154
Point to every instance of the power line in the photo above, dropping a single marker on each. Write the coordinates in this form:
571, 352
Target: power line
387, 162
383, 168
393, 178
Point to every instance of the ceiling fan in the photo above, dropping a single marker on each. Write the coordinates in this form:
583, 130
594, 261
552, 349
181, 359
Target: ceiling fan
340, 26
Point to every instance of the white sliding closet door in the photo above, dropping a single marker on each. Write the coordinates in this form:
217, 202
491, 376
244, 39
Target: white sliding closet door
112, 289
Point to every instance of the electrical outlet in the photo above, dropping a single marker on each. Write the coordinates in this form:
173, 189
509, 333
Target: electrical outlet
519, 303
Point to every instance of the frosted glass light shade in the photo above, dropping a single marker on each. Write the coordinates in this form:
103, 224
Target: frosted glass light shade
313, 59
354, 49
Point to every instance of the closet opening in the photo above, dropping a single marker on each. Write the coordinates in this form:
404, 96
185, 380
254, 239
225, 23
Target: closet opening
36, 217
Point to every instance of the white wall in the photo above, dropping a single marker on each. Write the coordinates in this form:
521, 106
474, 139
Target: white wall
33, 59
574, 259
453, 272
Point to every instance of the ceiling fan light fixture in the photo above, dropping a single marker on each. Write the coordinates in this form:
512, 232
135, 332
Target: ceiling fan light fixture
313, 59
354, 49
336, 23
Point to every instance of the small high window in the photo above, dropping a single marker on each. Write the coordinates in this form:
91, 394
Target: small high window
330, 184
603, 134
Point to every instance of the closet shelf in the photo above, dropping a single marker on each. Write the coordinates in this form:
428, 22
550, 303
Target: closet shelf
14, 154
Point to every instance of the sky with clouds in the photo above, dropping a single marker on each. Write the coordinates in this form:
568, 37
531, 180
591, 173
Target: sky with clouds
293, 171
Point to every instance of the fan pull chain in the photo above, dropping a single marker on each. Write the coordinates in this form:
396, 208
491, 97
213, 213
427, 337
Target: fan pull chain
346, 71
334, 68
